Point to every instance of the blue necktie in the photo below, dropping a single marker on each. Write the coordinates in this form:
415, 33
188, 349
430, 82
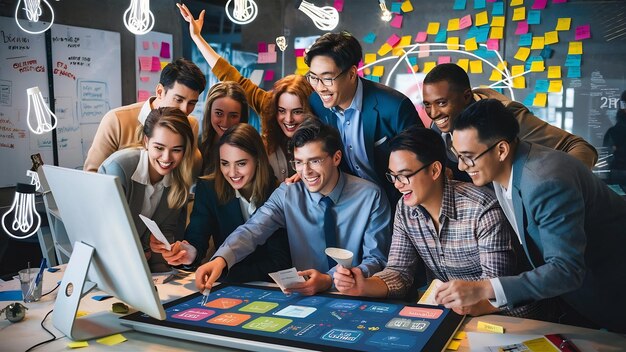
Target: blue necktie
329, 227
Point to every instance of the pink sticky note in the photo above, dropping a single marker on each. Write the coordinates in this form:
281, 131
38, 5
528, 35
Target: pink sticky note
539, 4
165, 50
143, 95
269, 75
144, 78
493, 44
146, 45
338, 4
262, 47
522, 27
271, 47
266, 58
465, 22
299, 52
155, 45
421, 37
156, 64
424, 50
583, 32
393, 40
145, 63
444, 60
396, 22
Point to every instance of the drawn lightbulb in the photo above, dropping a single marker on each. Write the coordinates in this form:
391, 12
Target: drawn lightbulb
281, 42
244, 11
38, 116
325, 18
33, 10
386, 14
138, 18
22, 220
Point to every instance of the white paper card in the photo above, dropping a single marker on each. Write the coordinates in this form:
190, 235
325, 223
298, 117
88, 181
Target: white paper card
156, 231
286, 278
428, 297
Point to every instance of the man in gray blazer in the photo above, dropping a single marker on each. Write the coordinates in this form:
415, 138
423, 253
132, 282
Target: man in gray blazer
570, 224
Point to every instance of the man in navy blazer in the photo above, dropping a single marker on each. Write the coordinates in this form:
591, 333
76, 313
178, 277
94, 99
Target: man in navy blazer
570, 224
367, 114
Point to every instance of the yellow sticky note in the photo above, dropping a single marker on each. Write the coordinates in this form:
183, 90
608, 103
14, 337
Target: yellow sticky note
464, 64
406, 6
517, 2
551, 37
555, 86
301, 71
541, 344
537, 43
537, 66
433, 28
481, 18
112, 340
517, 70
397, 51
554, 71
540, 100
502, 65
486, 327
453, 43
496, 33
300, 64
369, 58
460, 335
405, 40
519, 14
384, 49
429, 65
470, 44
453, 24
575, 48
495, 76
522, 53
497, 21
453, 345
163, 64
476, 66
518, 82
563, 24
378, 71
78, 344
81, 313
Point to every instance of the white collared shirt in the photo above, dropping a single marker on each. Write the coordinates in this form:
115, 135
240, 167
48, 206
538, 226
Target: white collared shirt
247, 208
145, 110
152, 192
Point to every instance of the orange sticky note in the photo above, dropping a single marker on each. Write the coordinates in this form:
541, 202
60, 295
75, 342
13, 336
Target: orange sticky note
519, 14
497, 21
433, 28
563, 24
453, 43
470, 44
575, 48
429, 65
540, 100
555, 86
551, 37
481, 18
453, 24
384, 49
464, 64
522, 53
554, 71
537, 43
496, 33
476, 66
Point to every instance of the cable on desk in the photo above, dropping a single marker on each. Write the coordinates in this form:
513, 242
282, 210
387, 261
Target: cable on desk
49, 292
48, 331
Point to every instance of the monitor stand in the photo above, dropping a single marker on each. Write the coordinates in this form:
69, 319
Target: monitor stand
73, 287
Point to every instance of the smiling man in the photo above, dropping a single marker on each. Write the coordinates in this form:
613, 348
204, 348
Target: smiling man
367, 114
447, 93
329, 208
570, 224
180, 84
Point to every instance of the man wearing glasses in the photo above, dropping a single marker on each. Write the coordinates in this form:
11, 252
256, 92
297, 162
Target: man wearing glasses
367, 114
570, 224
457, 229
329, 208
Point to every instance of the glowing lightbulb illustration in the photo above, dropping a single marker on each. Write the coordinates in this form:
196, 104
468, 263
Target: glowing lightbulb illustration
22, 220
33, 10
325, 18
244, 11
386, 14
281, 42
138, 18
38, 116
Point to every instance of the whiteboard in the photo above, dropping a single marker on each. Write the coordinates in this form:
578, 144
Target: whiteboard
152, 52
22, 66
87, 83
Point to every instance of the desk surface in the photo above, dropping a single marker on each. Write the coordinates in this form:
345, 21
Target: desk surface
22, 335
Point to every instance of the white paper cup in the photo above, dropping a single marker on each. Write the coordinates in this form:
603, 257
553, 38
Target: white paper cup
341, 256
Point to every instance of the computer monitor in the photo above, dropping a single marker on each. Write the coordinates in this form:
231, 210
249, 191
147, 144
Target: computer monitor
106, 251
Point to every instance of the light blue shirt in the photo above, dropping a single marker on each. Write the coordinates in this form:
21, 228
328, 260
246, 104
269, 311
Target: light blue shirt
350, 127
363, 219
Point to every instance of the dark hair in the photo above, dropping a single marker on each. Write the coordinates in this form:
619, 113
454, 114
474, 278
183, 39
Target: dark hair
184, 72
313, 129
342, 47
452, 73
425, 143
620, 117
491, 119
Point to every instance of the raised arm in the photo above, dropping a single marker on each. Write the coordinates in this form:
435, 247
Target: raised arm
195, 29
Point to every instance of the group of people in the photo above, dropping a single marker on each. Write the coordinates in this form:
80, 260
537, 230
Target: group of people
494, 202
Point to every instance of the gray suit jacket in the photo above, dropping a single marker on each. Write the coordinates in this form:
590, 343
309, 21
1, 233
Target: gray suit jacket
574, 233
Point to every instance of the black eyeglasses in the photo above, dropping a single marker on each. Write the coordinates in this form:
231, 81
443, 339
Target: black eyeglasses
471, 162
404, 179
326, 82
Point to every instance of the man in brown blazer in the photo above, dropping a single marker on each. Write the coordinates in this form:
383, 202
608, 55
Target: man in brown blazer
180, 85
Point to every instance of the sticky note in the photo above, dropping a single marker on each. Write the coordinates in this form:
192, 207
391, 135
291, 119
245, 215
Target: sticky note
78, 344
433, 28
573, 72
486, 327
470, 44
112, 340
397, 51
522, 27
517, 2
563, 24
540, 101
453, 345
269, 75
298, 52
155, 45
384, 49
405, 41
575, 48
396, 7
497, 21
421, 37
582, 32
551, 37
145, 63
537, 44
441, 36
479, 4
267, 57
539, 4
464, 64
540, 344
522, 53
481, 18
554, 71
542, 85
396, 22
424, 50
482, 34
338, 5
393, 40
534, 17
156, 64
369, 58
271, 47
497, 9
429, 65
476, 66
407, 6
537, 66
496, 33
525, 39
459, 4
493, 44
495, 76
262, 47
519, 13
165, 50
465, 22
460, 335
300, 64
454, 24
146, 45
378, 71
519, 82
81, 313
369, 38
573, 60
555, 86
444, 60
453, 43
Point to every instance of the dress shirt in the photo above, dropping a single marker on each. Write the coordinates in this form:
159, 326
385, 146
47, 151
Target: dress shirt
247, 207
153, 192
146, 108
363, 225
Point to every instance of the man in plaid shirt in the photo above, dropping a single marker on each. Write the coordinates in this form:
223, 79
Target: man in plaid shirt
457, 229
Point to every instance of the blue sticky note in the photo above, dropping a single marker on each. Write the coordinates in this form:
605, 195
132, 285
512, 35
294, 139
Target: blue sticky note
396, 7
573, 72
472, 32
525, 39
459, 4
541, 86
498, 9
11, 295
441, 36
547, 52
374, 78
530, 98
369, 38
485, 53
413, 60
483, 34
573, 60
531, 60
534, 17
480, 4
